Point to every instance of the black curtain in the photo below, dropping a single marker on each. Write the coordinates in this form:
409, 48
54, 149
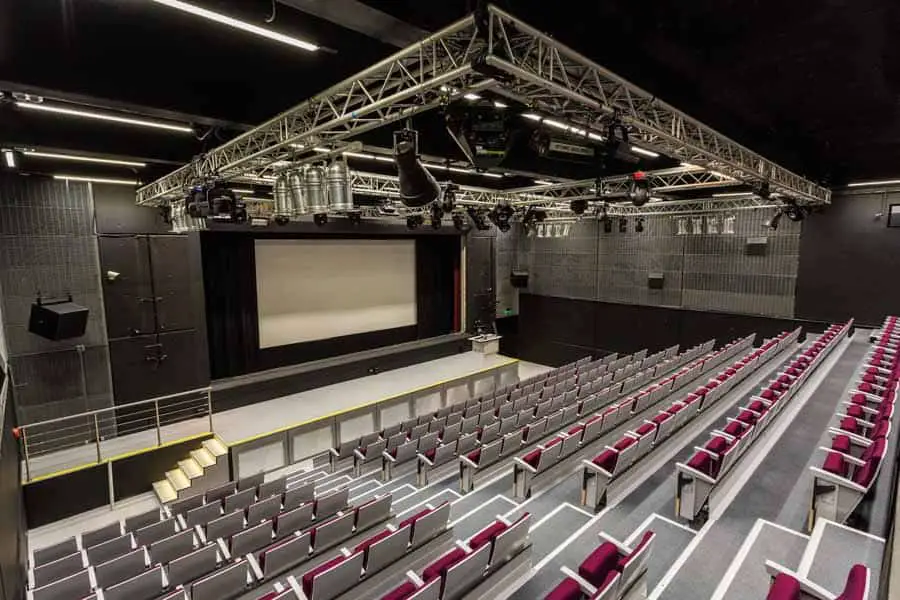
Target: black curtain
437, 267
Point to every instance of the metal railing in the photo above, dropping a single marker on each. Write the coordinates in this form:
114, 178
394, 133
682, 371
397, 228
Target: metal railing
94, 436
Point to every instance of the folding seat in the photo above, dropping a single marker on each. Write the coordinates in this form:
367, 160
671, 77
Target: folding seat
843, 481
593, 427
646, 435
554, 420
475, 460
399, 455
664, 425
611, 417
678, 413
599, 570
589, 405
511, 442
489, 433
788, 585
534, 431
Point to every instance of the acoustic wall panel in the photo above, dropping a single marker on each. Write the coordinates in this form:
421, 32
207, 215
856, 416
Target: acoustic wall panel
318, 289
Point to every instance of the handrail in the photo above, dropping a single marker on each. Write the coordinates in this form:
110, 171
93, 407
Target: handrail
94, 427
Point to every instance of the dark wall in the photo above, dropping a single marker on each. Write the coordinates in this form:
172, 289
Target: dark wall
555, 331
13, 549
849, 260
229, 272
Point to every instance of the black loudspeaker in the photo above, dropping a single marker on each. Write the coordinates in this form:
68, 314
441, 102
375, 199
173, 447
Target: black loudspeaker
655, 281
58, 320
519, 279
756, 246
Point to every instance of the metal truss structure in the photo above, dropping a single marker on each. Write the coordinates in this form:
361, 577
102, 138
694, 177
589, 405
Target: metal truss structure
490, 50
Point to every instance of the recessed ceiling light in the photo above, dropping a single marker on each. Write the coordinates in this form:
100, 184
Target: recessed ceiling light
80, 158
235, 23
87, 114
96, 179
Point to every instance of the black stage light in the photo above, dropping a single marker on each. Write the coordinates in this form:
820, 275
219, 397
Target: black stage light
639, 190
354, 216
479, 217
418, 187
320, 219
448, 199
617, 146
480, 130
534, 214
387, 208
623, 225
501, 216
578, 206
776, 218
215, 202
607, 225
437, 213
762, 190
414, 221
461, 221
794, 212
639, 225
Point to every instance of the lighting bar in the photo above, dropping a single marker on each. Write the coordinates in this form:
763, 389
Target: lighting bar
10, 158
639, 150
103, 116
871, 183
732, 194
235, 23
241, 191
96, 179
532, 116
80, 158
543, 182
471, 96
500, 105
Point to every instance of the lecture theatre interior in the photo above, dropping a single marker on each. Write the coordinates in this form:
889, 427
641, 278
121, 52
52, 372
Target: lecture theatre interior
449, 300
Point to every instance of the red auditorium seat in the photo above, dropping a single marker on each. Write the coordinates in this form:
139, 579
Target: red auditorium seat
568, 589
606, 460
439, 567
703, 462
307, 580
834, 463
411, 520
487, 535
736, 429
600, 567
402, 592
533, 457
364, 545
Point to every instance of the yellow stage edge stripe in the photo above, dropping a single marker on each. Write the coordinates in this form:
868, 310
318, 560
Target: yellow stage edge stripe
259, 436
118, 457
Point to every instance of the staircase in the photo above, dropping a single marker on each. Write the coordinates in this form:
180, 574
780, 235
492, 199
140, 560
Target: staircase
204, 468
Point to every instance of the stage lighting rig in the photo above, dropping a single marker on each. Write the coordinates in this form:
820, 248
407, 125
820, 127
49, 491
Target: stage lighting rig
461, 221
215, 202
481, 130
616, 145
479, 217
448, 196
794, 212
437, 214
639, 189
775, 220
501, 215
639, 225
354, 216
418, 187
623, 225
387, 208
578, 206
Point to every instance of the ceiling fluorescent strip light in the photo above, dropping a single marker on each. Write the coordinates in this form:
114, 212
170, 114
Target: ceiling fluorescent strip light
235, 23
9, 158
639, 150
96, 179
88, 159
732, 194
102, 116
871, 183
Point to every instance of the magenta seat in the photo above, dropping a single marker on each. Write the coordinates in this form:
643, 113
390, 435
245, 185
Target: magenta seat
834, 463
857, 582
881, 429
402, 592
855, 412
661, 418
429, 454
623, 561
309, 575
607, 460
599, 564
474, 455
702, 462
735, 429
487, 535
414, 518
841, 443
768, 394
849, 424
364, 545
576, 430
624, 442
747, 417
532, 458
568, 589
645, 429
718, 445
439, 567
758, 407
553, 442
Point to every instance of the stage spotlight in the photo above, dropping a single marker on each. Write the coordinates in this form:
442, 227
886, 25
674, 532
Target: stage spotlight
623, 225
578, 206
414, 221
479, 217
793, 212
534, 214
639, 191
320, 219
639, 225
762, 190
354, 216
461, 221
501, 216
418, 187
481, 132
776, 218
437, 213
387, 208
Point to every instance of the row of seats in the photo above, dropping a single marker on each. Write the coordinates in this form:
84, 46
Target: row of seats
371, 556
564, 411
860, 440
528, 468
710, 464
467, 565
600, 474
610, 572
199, 557
788, 585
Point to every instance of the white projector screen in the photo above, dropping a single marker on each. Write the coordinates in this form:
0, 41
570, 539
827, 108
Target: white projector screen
318, 289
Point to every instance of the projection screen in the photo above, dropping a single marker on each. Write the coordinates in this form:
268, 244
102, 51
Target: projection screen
318, 289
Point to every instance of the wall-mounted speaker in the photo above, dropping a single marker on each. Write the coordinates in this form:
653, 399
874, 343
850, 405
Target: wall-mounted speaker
756, 246
58, 320
519, 279
655, 281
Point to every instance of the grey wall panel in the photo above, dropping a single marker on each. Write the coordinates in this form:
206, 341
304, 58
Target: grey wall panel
480, 276
48, 247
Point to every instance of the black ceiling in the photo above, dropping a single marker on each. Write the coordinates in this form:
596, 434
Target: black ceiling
811, 84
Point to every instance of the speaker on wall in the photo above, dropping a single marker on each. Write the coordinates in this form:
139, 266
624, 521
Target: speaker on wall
58, 320
655, 281
519, 279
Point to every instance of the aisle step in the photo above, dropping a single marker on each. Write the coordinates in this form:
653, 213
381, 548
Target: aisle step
203, 457
165, 493
190, 467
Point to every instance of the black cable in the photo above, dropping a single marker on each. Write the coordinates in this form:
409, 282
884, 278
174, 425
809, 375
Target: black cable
271, 17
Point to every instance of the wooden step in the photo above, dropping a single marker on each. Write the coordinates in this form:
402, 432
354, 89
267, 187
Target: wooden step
178, 479
190, 467
215, 447
203, 457
164, 491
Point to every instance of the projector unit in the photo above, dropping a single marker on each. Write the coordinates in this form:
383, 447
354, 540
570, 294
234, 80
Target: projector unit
557, 147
